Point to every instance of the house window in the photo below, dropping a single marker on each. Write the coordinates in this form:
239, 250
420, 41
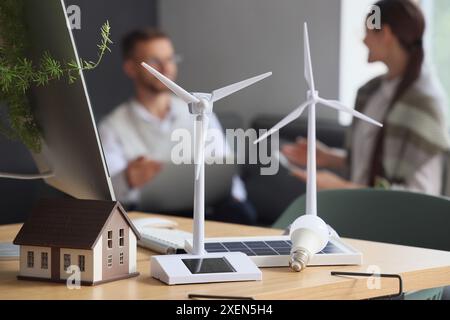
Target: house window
110, 261
44, 260
121, 237
30, 259
110, 239
121, 260
66, 261
81, 263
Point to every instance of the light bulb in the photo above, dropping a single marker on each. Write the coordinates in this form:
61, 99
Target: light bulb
309, 235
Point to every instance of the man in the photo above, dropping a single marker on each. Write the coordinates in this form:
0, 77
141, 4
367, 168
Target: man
136, 136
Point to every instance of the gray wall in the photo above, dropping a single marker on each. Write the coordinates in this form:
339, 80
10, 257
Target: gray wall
226, 41
107, 87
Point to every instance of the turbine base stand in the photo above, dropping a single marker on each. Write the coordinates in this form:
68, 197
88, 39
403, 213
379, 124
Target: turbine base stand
209, 268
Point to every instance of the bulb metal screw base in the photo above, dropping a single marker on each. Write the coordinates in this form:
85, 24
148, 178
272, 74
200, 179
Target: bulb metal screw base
299, 260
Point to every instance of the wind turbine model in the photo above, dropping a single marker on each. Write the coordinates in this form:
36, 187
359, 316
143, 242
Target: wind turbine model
203, 267
309, 233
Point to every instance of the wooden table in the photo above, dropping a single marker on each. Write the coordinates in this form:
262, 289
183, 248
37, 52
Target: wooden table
419, 268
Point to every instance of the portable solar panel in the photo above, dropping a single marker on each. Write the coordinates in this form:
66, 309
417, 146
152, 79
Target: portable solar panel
275, 251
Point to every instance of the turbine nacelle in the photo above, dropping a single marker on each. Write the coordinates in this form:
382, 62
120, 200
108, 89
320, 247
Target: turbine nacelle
313, 96
204, 106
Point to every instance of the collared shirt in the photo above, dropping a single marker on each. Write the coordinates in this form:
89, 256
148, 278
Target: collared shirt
427, 179
131, 131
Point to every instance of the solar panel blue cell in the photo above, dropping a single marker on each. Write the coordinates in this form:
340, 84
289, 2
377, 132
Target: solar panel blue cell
265, 252
256, 244
278, 244
213, 245
283, 251
238, 250
234, 245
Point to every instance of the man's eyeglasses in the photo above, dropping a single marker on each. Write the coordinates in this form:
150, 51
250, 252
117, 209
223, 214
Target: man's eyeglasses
158, 63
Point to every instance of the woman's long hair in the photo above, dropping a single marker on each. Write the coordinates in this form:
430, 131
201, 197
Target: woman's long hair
407, 23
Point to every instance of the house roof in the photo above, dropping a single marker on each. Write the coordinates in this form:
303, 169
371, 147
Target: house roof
67, 223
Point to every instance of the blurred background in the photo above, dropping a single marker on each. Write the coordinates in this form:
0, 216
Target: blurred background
222, 42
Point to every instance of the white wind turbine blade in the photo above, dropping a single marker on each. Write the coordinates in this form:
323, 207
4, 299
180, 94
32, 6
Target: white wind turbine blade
227, 91
340, 107
309, 76
179, 91
290, 118
201, 145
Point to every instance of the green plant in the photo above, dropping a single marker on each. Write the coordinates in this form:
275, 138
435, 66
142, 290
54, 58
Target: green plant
18, 74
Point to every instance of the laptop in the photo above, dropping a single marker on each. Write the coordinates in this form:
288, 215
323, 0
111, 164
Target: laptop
172, 190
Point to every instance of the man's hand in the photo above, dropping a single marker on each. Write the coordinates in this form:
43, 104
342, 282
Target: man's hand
141, 171
326, 180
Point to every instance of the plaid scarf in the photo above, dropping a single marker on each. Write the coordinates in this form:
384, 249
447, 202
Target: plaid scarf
415, 130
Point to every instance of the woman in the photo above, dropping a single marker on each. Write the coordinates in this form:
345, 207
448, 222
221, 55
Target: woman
408, 152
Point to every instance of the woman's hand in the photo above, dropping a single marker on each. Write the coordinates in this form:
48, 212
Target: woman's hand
326, 157
327, 180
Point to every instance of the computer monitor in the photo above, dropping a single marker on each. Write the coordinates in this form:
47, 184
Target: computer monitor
71, 144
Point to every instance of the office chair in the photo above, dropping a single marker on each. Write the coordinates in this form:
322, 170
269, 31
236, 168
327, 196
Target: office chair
397, 217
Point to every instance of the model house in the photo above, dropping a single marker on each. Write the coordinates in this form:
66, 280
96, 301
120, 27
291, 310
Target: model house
61, 235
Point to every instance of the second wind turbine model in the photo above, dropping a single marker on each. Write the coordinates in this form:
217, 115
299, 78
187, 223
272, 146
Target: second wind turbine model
306, 244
